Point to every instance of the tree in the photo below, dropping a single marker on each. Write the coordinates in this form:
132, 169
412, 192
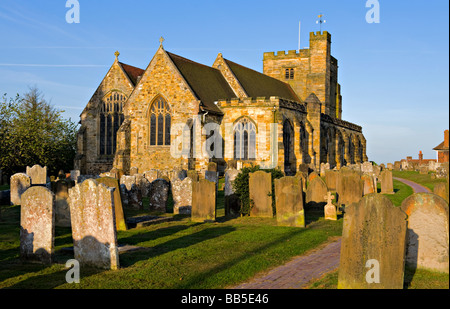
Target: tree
33, 132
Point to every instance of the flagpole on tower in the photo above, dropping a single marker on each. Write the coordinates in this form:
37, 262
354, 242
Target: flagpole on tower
321, 21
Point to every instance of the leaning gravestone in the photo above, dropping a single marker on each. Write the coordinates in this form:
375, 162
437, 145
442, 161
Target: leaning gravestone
19, 184
159, 194
110, 182
260, 191
427, 237
289, 202
93, 225
182, 196
232, 201
373, 245
37, 225
315, 194
203, 201
387, 184
38, 175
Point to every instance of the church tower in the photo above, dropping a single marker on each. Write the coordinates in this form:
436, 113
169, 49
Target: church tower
308, 71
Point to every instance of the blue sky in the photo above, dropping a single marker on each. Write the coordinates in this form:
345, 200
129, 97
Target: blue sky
394, 74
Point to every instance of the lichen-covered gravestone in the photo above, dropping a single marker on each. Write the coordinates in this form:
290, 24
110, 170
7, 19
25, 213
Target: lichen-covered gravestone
93, 225
110, 182
427, 237
370, 184
331, 178
387, 184
38, 175
182, 196
260, 191
37, 225
289, 202
19, 184
203, 201
315, 193
159, 194
350, 187
373, 245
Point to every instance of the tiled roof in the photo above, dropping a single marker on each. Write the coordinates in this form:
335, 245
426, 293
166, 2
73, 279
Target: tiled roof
132, 72
257, 84
441, 146
207, 83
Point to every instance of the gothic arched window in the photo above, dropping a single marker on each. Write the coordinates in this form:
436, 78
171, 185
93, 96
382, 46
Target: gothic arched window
244, 140
111, 118
160, 123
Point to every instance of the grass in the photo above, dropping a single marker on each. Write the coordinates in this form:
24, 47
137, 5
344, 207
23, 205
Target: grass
422, 179
176, 255
401, 192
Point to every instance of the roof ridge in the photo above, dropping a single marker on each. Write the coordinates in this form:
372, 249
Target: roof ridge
191, 61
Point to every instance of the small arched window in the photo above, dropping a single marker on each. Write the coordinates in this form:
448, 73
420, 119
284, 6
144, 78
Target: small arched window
160, 123
244, 140
111, 118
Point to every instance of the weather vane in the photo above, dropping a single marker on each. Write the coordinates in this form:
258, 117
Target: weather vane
321, 21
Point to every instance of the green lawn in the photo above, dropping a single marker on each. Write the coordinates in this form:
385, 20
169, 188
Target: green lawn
401, 192
176, 255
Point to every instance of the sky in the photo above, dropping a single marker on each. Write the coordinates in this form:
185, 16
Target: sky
394, 74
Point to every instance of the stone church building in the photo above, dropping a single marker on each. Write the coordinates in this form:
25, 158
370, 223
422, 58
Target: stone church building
158, 118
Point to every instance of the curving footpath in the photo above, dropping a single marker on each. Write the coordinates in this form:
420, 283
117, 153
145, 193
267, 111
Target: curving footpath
415, 186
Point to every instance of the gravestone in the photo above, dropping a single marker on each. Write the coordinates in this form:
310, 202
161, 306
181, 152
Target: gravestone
289, 202
159, 194
441, 189
350, 187
232, 201
390, 166
303, 178
427, 236
260, 191
113, 183
423, 169
182, 196
203, 201
193, 175
387, 183
212, 167
93, 225
37, 225
331, 178
324, 167
130, 189
315, 194
19, 184
38, 175
367, 167
370, 184
312, 176
134, 171
151, 175
62, 209
373, 245
330, 212
74, 174
376, 170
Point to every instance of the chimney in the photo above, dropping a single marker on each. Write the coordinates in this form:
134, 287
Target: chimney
420, 157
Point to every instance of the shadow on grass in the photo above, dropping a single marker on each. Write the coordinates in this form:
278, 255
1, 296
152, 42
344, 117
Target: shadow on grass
128, 259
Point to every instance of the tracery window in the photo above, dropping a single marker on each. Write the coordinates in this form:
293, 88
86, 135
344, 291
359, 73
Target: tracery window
244, 140
160, 123
111, 118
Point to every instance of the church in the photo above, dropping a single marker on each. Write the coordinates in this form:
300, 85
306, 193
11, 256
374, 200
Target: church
180, 114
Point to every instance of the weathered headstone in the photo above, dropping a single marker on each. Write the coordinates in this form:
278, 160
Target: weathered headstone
289, 202
193, 175
260, 191
133, 194
367, 167
387, 183
232, 201
324, 167
423, 169
159, 194
315, 194
19, 184
331, 178
390, 166
37, 225
203, 201
62, 209
312, 176
212, 167
441, 189
182, 196
38, 175
303, 178
350, 187
151, 175
134, 171
330, 212
110, 182
93, 225
428, 232
370, 184
373, 245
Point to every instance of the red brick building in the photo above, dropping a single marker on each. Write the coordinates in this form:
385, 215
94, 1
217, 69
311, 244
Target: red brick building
442, 149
